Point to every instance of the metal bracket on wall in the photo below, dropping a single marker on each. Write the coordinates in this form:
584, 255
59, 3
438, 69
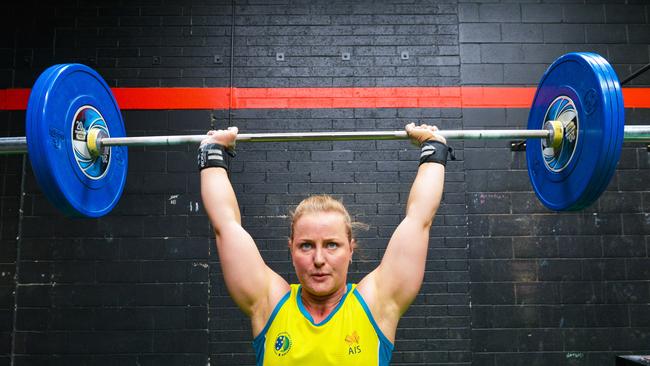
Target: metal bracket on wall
518, 145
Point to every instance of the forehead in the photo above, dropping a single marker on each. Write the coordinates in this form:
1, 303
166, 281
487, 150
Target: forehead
330, 224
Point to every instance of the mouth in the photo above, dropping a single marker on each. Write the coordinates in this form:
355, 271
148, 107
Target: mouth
319, 276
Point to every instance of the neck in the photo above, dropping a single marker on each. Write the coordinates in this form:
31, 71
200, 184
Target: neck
320, 307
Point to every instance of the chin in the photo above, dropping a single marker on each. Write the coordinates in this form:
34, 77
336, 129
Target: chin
320, 288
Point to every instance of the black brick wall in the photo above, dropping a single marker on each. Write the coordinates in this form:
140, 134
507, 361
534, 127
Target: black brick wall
143, 284
549, 288
10, 185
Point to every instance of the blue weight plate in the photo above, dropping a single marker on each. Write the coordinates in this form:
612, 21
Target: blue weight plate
616, 127
573, 89
593, 191
35, 104
66, 101
613, 129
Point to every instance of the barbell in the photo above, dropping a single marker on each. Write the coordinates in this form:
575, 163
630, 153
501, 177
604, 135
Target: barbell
77, 143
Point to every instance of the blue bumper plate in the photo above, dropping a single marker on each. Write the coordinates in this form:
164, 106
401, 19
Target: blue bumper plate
66, 101
582, 91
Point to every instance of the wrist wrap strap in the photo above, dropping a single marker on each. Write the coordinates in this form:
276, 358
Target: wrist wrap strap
435, 152
212, 155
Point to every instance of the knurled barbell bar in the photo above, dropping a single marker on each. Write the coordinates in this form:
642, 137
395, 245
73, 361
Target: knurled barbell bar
77, 145
18, 145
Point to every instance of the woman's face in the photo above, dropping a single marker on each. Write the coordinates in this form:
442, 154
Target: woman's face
321, 252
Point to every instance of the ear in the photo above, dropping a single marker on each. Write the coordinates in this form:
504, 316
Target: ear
353, 244
290, 247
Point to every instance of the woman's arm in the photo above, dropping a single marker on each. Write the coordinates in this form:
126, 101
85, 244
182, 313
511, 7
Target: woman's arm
251, 283
395, 283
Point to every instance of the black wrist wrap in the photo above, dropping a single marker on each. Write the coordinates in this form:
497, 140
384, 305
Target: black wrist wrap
435, 152
212, 155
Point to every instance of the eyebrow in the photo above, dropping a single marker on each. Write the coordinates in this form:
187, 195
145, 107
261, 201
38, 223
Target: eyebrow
306, 240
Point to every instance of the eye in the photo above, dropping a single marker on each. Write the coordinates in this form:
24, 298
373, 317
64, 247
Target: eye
305, 246
332, 245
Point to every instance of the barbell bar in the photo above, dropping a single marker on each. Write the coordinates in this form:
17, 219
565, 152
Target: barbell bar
76, 140
18, 145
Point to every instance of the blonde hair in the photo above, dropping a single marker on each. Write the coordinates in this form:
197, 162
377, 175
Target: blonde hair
324, 203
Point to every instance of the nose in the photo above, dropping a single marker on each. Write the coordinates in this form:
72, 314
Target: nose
319, 258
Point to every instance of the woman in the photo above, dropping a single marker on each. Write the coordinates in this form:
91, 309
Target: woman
323, 320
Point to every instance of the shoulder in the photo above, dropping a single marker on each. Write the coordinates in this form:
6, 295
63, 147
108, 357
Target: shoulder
263, 312
384, 311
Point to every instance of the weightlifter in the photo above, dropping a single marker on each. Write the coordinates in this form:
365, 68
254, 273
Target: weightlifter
323, 320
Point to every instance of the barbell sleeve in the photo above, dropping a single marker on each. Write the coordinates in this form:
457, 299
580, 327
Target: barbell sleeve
13, 145
637, 133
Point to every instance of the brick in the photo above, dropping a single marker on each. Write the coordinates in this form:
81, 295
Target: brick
332, 155
639, 315
482, 248
538, 13
638, 33
501, 53
470, 53
488, 203
536, 293
527, 358
492, 293
626, 14
311, 188
540, 340
479, 32
560, 270
493, 340
624, 246
605, 33
564, 33
584, 13
481, 74
544, 53
522, 33
499, 13
604, 269
194, 341
468, 12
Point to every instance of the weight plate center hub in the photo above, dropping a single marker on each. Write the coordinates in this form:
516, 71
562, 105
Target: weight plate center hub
562, 119
88, 124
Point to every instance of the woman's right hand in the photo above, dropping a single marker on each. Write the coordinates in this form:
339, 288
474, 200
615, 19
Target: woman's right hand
225, 138
423, 133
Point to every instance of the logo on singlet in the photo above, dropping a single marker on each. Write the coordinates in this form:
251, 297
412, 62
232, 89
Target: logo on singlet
282, 344
353, 342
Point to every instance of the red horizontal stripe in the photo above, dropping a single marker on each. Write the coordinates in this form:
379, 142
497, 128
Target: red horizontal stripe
172, 98
296, 98
636, 97
14, 99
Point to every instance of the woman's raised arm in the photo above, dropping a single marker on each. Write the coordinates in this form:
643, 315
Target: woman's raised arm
251, 283
395, 283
